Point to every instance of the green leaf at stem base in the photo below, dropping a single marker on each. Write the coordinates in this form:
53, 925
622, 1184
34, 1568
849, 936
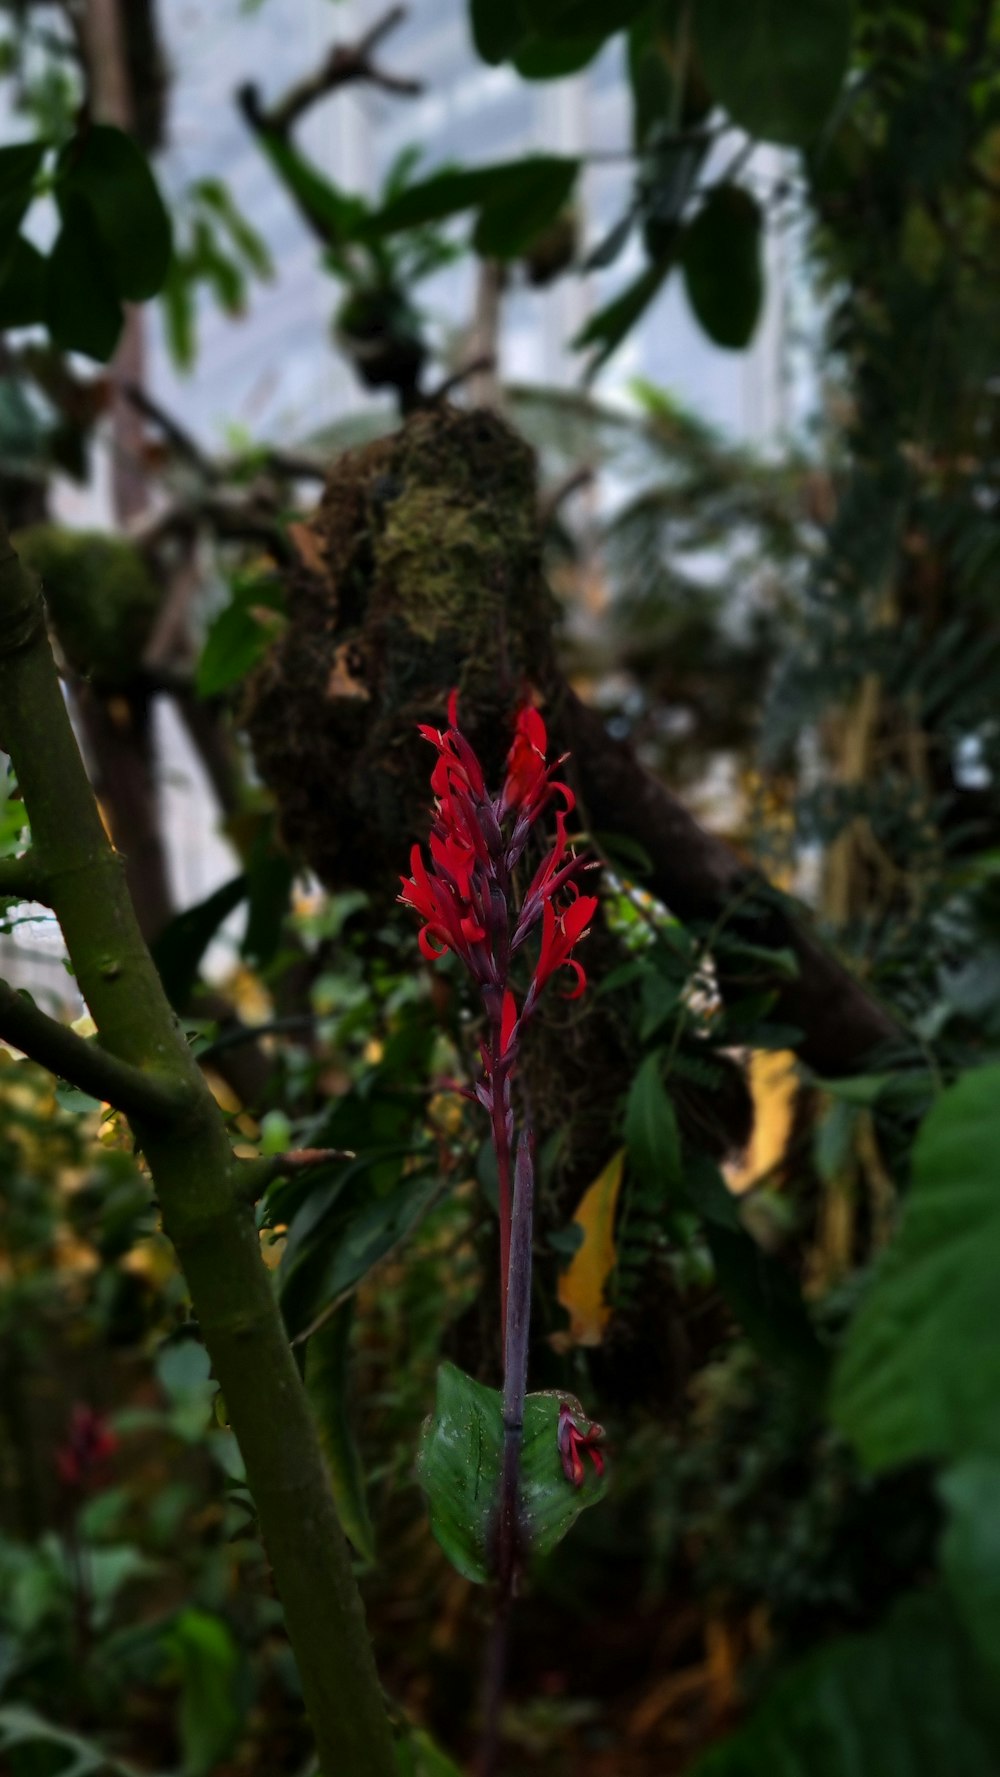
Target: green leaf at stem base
461, 1455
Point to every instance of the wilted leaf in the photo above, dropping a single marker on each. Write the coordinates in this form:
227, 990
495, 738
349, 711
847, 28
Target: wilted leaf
581, 1286
774, 1085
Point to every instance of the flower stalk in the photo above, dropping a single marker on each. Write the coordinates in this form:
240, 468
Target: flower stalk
467, 900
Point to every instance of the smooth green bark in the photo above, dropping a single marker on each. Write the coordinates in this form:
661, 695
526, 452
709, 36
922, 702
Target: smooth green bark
183, 1136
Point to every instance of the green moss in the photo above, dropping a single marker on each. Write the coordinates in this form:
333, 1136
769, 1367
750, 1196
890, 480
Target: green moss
101, 598
431, 578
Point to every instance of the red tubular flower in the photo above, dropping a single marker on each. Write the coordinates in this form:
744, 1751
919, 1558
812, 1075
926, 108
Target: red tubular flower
466, 901
80, 1462
560, 931
574, 1444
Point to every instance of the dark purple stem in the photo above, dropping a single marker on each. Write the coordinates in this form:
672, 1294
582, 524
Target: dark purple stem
500, 1115
515, 1379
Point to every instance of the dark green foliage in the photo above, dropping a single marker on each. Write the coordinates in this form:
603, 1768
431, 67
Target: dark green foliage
775, 65
101, 597
902, 1698
721, 256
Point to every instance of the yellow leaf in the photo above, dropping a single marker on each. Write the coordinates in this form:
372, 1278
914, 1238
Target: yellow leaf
581, 1286
773, 1086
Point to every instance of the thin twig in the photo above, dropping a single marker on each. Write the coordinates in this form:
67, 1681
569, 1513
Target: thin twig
343, 64
254, 1176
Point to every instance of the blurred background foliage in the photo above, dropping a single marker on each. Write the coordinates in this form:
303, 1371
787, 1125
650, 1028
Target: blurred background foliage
776, 1290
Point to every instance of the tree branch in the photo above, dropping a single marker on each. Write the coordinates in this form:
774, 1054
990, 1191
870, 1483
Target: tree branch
85, 1064
191, 1163
254, 1176
344, 64
21, 879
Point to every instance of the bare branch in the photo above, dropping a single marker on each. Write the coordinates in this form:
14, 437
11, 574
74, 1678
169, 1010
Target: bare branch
254, 1176
344, 64
85, 1064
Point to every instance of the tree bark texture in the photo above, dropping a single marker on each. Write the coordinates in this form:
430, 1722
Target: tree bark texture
183, 1136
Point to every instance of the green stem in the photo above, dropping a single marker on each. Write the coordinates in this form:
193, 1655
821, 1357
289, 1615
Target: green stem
22, 880
86, 1064
192, 1168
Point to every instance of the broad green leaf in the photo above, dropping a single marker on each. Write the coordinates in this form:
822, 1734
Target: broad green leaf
179, 949
720, 253
511, 220
23, 287
104, 166
418, 1756
238, 639
550, 58
82, 309
920, 1373
77, 1756
271, 877
970, 1553
459, 1466
349, 1236
579, 18
18, 166
536, 180
608, 327
327, 1367
651, 1132
765, 1298
210, 1716
497, 28
776, 65
650, 78
338, 215
897, 1702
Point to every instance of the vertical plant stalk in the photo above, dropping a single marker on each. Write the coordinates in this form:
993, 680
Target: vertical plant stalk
515, 1376
467, 902
181, 1131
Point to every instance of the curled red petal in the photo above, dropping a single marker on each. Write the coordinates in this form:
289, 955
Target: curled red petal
566, 793
581, 979
577, 916
426, 946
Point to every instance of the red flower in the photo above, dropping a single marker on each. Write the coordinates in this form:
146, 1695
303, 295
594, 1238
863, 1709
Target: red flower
560, 931
81, 1460
574, 1443
529, 784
